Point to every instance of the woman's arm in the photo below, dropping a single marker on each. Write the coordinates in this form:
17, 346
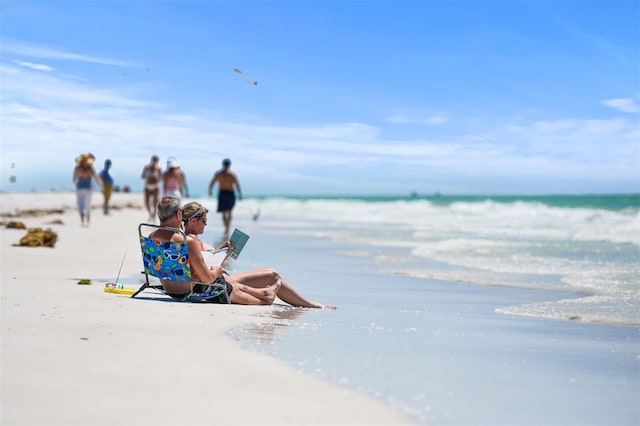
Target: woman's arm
200, 269
226, 244
96, 177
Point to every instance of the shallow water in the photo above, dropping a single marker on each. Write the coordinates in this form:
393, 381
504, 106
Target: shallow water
443, 350
580, 244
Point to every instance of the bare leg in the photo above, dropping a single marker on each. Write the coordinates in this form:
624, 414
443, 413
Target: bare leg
245, 295
105, 205
262, 278
154, 204
81, 206
151, 201
147, 199
226, 221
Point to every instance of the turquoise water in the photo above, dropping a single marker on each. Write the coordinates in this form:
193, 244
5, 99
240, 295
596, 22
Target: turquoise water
585, 244
602, 201
459, 310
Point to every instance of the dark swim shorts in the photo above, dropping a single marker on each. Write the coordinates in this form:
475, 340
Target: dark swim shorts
221, 298
226, 200
199, 288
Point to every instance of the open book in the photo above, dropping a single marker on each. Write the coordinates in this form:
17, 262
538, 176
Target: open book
238, 240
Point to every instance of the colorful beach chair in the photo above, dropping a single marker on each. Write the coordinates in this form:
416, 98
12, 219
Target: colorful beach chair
169, 260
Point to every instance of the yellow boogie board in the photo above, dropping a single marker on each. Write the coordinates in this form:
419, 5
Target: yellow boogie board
119, 288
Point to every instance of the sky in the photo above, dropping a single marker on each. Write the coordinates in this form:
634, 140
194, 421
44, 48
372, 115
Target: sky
351, 97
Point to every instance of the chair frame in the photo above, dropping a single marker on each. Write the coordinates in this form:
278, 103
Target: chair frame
169, 261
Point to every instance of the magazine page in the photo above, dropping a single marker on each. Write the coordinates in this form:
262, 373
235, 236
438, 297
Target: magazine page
238, 240
214, 258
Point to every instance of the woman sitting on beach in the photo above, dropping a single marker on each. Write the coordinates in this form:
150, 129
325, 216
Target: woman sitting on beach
258, 287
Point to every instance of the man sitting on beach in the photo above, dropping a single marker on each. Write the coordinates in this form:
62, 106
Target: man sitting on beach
194, 218
252, 288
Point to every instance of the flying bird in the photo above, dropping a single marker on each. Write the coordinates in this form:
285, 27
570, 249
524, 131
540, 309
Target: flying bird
246, 78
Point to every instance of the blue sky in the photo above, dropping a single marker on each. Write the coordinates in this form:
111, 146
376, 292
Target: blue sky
353, 97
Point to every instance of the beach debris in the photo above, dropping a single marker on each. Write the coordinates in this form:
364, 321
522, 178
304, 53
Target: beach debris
84, 281
14, 224
32, 213
56, 222
246, 77
37, 237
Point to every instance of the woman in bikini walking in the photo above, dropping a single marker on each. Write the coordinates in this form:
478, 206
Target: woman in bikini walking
152, 173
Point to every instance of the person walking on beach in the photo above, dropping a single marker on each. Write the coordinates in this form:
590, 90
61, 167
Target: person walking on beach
152, 173
107, 185
83, 174
174, 180
228, 184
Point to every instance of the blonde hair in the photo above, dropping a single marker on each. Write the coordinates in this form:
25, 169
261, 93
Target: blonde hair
193, 210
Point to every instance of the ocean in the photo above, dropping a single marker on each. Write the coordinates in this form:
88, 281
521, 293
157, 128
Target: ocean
459, 310
585, 244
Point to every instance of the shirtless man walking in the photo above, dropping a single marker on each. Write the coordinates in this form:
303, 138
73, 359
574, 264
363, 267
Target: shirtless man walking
228, 184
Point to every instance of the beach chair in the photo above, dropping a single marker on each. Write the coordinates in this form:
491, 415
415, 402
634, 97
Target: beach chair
169, 260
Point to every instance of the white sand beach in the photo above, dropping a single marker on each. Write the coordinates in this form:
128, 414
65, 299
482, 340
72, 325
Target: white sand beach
75, 355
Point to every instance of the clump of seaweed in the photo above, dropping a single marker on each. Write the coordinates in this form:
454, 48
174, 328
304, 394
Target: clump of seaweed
32, 213
14, 224
37, 237
56, 222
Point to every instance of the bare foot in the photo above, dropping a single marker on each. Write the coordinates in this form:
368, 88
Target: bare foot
317, 305
321, 306
270, 292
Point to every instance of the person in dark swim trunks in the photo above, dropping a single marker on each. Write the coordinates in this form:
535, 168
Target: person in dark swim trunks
226, 200
228, 185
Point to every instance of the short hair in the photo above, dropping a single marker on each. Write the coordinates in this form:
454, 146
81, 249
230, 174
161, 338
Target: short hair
167, 207
226, 162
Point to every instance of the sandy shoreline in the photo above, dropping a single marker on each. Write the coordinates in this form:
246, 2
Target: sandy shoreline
73, 354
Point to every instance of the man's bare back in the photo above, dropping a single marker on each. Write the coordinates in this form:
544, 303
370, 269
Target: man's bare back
228, 185
226, 179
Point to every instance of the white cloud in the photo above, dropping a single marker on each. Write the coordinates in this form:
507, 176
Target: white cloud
432, 120
437, 119
554, 126
623, 104
39, 51
41, 109
47, 89
37, 67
